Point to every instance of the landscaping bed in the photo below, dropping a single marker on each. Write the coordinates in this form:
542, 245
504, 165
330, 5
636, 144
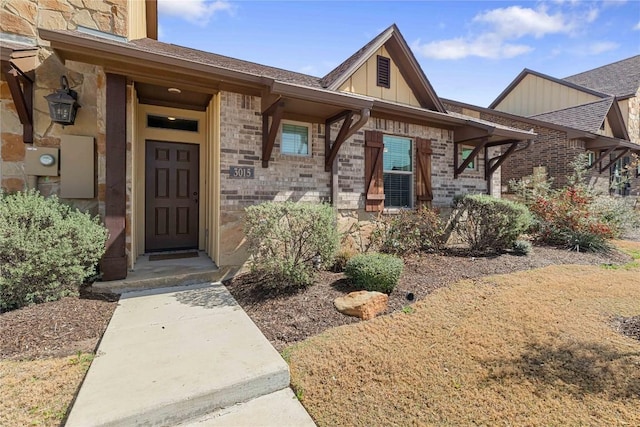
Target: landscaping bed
286, 318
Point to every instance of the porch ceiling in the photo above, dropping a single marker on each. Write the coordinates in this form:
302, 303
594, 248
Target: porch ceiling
161, 95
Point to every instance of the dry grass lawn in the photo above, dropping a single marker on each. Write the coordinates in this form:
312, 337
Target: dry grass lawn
530, 348
38, 392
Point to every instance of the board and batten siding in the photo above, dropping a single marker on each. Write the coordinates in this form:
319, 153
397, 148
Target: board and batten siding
363, 82
536, 95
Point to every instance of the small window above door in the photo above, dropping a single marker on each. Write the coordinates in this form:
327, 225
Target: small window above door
170, 122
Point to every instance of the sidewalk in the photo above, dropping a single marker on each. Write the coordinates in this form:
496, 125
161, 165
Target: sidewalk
185, 355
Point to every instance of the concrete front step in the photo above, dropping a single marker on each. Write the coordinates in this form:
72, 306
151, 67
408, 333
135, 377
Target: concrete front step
168, 272
277, 409
174, 354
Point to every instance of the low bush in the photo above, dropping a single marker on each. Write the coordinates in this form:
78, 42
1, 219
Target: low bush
522, 247
618, 213
411, 231
47, 249
289, 241
564, 218
375, 271
486, 223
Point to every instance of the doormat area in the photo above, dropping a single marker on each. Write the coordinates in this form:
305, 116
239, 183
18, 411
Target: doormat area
179, 255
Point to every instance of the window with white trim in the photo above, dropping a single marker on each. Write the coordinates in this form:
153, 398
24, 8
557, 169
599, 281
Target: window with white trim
294, 139
397, 160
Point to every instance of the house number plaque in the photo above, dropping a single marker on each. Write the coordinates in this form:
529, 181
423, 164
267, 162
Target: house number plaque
241, 172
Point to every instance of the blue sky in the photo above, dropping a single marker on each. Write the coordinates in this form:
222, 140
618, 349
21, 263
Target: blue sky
469, 50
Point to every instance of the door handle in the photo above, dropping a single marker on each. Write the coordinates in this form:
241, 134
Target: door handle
195, 196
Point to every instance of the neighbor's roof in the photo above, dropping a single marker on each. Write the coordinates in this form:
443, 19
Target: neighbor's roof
587, 117
621, 79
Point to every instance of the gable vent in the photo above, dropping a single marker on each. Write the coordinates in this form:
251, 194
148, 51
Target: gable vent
384, 72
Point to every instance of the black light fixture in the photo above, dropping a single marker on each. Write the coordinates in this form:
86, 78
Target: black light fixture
63, 104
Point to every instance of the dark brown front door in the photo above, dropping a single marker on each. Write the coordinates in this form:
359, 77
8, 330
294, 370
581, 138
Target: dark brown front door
171, 196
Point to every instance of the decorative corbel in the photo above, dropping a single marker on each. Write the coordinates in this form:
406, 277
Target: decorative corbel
22, 98
276, 111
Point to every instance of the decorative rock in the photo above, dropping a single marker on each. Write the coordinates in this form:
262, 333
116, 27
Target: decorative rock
363, 304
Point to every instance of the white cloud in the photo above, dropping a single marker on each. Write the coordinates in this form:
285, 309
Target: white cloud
597, 48
516, 22
485, 46
198, 12
637, 27
496, 33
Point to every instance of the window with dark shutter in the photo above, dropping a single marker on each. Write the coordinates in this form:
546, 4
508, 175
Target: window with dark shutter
373, 175
384, 72
424, 191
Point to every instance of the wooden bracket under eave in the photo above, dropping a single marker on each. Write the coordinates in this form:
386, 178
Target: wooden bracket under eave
615, 159
22, 98
269, 132
601, 157
490, 169
459, 169
331, 154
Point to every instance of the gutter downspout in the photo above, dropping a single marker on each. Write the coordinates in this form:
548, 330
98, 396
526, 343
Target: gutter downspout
365, 113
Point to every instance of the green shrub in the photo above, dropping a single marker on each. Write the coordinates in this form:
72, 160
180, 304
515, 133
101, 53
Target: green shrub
375, 271
573, 216
411, 231
289, 241
486, 223
564, 218
616, 212
522, 247
47, 249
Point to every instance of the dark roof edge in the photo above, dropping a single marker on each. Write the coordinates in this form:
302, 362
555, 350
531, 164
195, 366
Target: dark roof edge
576, 133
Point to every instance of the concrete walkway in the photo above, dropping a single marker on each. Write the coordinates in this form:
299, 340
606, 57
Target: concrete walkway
185, 355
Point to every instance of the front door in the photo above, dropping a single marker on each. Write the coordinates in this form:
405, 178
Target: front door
171, 181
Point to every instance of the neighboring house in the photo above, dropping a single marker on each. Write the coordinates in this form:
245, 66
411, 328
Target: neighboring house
599, 111
171, 143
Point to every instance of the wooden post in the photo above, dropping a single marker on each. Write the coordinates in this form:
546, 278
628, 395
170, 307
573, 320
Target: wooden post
114, 262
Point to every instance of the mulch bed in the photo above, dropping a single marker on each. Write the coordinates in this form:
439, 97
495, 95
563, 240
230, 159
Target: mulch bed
74, 324
56, 329
287, 318
629, 326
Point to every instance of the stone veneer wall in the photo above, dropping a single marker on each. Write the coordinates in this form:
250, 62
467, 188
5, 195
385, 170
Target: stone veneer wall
633, 127
633, 121
20, 20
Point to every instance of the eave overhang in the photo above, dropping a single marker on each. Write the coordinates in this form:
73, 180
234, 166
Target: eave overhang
127, 59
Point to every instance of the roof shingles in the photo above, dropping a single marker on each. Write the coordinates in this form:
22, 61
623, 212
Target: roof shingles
586, 117
619, 79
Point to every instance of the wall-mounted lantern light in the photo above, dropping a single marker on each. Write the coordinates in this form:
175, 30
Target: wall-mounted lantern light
63, 104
